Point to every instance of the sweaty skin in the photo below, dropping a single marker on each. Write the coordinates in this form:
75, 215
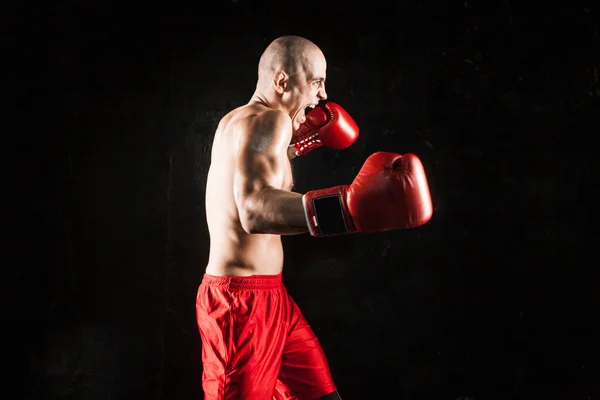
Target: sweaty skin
249, 201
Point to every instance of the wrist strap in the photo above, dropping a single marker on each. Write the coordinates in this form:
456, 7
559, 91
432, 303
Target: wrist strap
325, 211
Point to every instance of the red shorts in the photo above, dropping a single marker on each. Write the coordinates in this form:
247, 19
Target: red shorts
256, 345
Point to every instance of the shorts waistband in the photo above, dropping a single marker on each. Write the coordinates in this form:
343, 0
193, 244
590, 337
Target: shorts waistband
252, 282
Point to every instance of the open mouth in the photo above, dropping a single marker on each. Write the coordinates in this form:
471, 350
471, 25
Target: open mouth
308, 109
302, 113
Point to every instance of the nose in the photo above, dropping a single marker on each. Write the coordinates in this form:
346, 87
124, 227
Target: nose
322, 94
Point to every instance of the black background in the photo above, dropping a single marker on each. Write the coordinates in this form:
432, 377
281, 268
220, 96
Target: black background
113, 108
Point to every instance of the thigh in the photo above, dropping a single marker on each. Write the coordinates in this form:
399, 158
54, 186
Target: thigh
304, 369
242, 343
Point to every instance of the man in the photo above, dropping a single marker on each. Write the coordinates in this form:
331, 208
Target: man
255, 342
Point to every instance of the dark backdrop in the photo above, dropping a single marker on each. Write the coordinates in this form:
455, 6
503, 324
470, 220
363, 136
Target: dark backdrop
115, 107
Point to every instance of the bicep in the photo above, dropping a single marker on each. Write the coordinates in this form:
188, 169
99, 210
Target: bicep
262, 156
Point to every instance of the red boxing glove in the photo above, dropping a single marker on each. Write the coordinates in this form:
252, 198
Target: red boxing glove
327, 125
389, 192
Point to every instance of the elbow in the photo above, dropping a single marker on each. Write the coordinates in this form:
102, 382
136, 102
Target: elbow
246, 217
248, 225
254, 215
249, 221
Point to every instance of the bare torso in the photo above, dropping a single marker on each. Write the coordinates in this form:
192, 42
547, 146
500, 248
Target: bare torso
233, 251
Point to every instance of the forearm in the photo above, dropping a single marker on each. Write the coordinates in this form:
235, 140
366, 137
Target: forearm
291, 153
274, 211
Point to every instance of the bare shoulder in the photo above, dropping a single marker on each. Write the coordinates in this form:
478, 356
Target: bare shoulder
266, 128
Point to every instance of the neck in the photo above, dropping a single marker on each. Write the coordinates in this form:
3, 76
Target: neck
268, 101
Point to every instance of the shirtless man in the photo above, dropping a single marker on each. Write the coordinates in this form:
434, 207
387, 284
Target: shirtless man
256, 345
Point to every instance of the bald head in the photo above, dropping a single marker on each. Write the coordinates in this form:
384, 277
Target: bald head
292, 54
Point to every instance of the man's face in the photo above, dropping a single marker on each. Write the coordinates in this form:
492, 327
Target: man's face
307, 88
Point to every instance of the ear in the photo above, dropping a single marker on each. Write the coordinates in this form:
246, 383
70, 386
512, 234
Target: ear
280, 82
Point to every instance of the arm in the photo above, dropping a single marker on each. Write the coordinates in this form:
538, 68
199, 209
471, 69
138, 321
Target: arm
261, 164
291, 153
